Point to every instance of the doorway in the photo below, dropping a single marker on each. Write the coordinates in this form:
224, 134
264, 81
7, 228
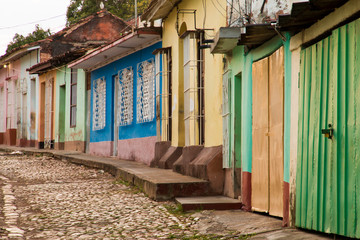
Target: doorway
268, 134
62, 119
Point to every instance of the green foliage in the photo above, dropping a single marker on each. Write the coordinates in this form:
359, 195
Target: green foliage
124, 9
20, 40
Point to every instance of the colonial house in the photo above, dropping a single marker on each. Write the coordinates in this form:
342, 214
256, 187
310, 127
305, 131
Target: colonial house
124, 84
18, 94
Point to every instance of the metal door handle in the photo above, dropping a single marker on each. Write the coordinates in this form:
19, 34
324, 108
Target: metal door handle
328, 132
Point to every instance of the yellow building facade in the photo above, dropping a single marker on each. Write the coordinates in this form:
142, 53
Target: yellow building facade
196, 107
189, 88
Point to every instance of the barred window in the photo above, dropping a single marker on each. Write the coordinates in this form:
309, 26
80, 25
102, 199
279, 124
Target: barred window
125, 81
145, 91
99, 104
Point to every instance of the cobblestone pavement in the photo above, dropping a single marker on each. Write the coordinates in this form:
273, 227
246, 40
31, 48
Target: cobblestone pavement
44, 198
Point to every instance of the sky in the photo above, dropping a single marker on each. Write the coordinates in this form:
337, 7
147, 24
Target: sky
21, 16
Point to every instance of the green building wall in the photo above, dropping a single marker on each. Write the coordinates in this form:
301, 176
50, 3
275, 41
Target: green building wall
66, 137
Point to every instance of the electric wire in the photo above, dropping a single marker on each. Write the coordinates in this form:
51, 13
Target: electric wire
34, 22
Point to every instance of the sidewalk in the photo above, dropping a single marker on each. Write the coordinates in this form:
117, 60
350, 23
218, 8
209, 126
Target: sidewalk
161, 184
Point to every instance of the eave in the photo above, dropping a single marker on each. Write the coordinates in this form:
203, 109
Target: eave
158, 9
118, 49
302, 16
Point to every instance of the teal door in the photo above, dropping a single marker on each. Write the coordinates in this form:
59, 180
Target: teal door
328, 168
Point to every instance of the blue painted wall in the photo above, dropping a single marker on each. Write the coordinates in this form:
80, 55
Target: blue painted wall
134, 130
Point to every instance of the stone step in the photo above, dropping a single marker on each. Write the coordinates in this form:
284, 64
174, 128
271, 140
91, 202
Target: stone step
208, 203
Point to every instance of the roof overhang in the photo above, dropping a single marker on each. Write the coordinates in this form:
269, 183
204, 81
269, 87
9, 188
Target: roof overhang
18, 54
55, 62
305, 14
159, 9
225, 40
257, 34
118, 49
39, 68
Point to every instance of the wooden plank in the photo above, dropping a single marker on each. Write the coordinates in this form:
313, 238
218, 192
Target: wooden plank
356, 168
299, 165
304, 176
276, 126
351, 124
260, 141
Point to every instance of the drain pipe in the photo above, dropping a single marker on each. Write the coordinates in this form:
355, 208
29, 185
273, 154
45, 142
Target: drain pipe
136, 15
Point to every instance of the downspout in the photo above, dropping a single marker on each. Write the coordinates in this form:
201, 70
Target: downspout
136, 15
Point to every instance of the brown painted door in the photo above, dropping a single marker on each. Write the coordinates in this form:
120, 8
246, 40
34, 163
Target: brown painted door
268, 122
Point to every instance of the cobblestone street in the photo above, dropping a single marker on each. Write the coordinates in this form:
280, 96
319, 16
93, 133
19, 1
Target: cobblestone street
45, 198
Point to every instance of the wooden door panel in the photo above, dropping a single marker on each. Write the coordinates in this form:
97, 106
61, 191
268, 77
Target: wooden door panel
276, 129
260, 177
260, 172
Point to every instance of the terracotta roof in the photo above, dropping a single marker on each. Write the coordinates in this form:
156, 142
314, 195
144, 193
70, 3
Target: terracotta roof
56, 61
125, 45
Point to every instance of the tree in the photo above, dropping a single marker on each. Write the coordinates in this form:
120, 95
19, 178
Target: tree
124, 9
19, 40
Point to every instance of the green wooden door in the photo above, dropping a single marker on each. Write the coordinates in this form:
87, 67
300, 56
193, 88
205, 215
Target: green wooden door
328, 170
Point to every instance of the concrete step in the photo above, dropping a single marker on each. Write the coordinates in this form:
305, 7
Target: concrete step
208, 203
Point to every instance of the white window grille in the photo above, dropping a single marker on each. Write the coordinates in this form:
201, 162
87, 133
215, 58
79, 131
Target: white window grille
99, 104
125, 81
145, 91
193, 90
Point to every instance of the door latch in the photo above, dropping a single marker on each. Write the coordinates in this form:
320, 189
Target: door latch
328, 132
